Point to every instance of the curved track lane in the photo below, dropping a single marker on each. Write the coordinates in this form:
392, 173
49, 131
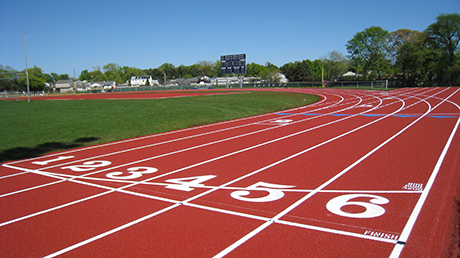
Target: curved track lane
355, 174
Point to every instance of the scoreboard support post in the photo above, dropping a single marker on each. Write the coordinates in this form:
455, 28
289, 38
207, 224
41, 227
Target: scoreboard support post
226, 84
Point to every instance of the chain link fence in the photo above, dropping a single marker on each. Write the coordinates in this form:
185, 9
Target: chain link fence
383, 84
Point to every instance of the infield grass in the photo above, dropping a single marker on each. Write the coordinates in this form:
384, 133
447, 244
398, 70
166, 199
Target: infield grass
44, 126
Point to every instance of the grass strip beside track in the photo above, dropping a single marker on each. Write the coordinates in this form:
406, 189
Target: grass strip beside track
44, 126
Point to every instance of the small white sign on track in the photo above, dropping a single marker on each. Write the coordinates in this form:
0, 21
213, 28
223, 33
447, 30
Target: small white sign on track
277, 122
413, 187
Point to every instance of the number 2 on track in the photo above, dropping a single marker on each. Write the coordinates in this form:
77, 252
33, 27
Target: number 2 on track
89, 165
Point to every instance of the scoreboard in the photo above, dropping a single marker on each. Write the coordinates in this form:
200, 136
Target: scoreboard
233, 64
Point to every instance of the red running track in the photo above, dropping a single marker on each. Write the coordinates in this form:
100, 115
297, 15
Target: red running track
358, 174
123, 95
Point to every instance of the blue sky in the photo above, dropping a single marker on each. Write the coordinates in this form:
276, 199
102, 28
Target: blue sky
67, 35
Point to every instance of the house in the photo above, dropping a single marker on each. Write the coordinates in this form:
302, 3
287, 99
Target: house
64, 85
137, 81
183, 81
230, 80
81, 85
350, 73
104, 85
281, 78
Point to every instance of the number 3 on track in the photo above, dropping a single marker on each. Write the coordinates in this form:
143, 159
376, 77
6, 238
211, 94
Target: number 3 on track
372, 209
135, 173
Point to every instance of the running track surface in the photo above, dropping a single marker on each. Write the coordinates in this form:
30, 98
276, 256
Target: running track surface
357, 174
126, 95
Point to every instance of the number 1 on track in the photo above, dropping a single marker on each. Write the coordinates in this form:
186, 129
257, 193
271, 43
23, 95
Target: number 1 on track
46, 162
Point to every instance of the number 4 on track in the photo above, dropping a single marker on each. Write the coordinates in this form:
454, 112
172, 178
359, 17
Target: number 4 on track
187, 183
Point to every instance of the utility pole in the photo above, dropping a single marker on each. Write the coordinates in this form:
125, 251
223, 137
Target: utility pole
27, 72
322, 76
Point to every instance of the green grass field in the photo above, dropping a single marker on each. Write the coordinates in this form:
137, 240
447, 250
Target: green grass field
44, 126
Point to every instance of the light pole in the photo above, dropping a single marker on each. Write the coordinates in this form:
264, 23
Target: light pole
27, 72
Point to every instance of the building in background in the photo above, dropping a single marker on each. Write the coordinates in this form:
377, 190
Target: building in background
145, 80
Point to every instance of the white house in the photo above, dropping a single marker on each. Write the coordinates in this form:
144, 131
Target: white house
349, 73
106, 85
141, 80
281, 78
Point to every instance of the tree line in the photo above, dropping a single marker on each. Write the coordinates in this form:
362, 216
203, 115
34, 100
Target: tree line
409, 57
414, 58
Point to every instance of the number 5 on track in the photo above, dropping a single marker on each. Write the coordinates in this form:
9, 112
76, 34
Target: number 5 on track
274, 192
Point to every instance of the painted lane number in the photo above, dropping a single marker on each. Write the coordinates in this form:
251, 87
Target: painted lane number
372, 208
274, 192
46, 162
187, 183
135, 172
89, 165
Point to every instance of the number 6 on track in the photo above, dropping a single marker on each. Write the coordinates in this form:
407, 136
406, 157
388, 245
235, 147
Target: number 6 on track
372, 209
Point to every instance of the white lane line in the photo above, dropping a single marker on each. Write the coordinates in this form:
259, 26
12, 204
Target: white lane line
266, 224
335, 231
174, 132
243, 240
418, 207
300, 201
156, 135
31, 188
149, 216
186, 201
223, 156
164, 142
110, 190
294, 190
53, 208
294, 224
112, 231
12, 175
55, 175
240, 214
149, 145
199, 146
194, 165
